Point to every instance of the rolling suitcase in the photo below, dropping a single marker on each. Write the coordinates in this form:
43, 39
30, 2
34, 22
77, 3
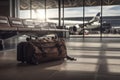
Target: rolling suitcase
21, 51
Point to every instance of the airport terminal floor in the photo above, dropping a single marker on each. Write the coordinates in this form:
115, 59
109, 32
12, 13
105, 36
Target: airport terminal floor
96, 60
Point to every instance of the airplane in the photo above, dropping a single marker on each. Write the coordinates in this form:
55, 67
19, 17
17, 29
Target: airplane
86, 26
92, 25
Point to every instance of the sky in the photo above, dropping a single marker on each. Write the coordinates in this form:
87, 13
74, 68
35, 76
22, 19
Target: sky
113, 10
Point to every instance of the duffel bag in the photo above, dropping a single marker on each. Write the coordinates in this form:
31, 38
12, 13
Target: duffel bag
37, 51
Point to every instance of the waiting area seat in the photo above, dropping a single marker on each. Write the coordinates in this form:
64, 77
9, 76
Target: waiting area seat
18, 23
10, 23
4, 23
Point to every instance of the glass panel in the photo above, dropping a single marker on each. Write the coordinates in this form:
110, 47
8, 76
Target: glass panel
32, 9
73, 13
24, 9
38, 9
92, 15
52, 11
111, 18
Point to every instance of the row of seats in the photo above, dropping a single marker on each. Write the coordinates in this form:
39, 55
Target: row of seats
10, 26
10, 23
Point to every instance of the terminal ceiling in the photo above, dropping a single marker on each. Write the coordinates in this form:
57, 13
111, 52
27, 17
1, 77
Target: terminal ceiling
40, 4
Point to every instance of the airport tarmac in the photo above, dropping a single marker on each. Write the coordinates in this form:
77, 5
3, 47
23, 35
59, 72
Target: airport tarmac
96, 36
96, 60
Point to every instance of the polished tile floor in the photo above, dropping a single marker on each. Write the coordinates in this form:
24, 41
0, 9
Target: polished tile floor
96, 60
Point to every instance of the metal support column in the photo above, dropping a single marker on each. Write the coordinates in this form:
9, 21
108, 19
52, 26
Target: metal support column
83, 18
59, 12
101, 3
45, 11
63, 12
30, 9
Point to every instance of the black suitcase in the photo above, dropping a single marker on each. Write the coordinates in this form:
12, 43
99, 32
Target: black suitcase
19, 52
21, 56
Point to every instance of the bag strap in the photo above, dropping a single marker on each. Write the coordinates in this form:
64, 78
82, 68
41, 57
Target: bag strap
41, 49
58, 45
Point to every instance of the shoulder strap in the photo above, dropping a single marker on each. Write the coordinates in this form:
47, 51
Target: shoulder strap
40, 48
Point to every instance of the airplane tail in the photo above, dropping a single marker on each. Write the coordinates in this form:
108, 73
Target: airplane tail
96, 18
